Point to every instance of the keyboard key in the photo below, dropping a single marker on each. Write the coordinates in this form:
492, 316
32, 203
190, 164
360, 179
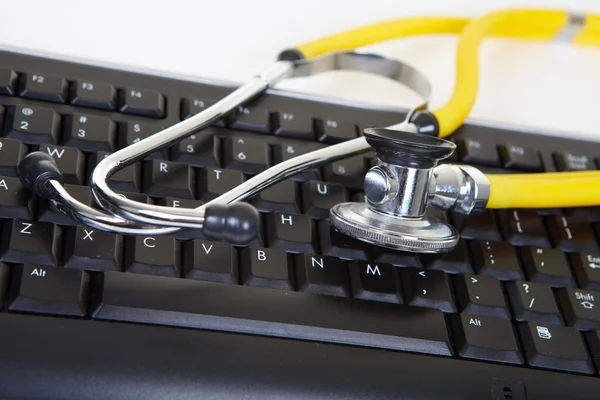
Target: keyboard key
32, 125
92, 249
283, 196
249, 155
291, 232
572, 234
185, 233
148, 103
520, 158
90, 133
358, 197
394, 257
586, 268
191, 107
93, 94
12, 152
179, 203
267, 268
214, 306
252, 119
167, 178
210, 261
546, 266
572, 162
319, 197
591, 214
473, 151
533, 302
70, 161
349, 172
336, 244
496, 259
375, 281
579, 308
154, 255
4, 271
49, 290
429, 289
140, 197
555, 347
43, 87
333, 131
8, 81
47, 211
289, 124
24, 241
593, 340
16, 201
524, 228
213, 182
127, 180
453, 262
321, 275
485, 338
481, 295
133, 132
477, 225
286, 151
200, 150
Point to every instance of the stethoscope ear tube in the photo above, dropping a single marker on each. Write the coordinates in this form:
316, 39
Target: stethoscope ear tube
36, 170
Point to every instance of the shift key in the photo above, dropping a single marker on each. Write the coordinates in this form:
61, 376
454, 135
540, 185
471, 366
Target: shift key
581, 308
246, 309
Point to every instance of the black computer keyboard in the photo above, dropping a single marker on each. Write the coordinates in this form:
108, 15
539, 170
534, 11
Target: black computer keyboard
303, 312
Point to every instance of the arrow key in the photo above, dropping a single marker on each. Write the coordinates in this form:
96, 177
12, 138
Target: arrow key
587, 270
428, 288
580, 308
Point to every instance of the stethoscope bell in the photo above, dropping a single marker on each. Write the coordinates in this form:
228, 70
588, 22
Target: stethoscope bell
397, 192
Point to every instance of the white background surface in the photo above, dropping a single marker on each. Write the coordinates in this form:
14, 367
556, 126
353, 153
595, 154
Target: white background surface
548, 86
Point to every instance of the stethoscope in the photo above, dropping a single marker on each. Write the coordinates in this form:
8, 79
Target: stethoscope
407, 178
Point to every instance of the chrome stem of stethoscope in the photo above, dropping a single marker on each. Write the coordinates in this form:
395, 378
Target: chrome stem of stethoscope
224, 218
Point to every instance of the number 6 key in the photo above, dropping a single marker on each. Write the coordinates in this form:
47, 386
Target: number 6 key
247, 154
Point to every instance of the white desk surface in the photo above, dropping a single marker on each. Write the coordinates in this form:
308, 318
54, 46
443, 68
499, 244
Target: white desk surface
542, 86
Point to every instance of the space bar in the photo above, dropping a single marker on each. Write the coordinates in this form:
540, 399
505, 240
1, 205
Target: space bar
246, 309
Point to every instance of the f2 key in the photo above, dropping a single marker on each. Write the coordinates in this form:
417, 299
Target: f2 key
43, 87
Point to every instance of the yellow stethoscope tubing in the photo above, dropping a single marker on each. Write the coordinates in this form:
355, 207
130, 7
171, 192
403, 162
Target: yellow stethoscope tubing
540, 190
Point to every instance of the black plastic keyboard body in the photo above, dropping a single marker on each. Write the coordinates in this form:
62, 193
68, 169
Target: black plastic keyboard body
302, 312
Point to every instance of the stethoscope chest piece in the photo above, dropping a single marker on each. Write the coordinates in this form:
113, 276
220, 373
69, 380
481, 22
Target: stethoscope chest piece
397, 192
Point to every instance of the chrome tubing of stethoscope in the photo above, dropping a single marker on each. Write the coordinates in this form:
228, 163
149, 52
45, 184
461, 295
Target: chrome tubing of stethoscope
161, 215
191, 218
125, 216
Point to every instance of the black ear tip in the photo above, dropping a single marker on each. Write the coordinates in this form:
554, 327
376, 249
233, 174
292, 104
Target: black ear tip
37, 168
237, 223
